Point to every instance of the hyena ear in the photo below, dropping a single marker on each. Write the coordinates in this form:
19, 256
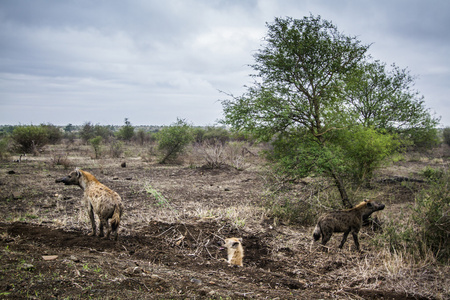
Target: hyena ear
240, 240
78, 172
235, 245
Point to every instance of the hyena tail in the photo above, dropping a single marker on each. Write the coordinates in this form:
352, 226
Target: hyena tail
317, 233
115, 220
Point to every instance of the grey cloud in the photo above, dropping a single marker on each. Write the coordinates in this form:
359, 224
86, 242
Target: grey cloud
153, 61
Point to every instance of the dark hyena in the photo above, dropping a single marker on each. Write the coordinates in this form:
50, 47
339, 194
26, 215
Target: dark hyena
346, 221
106, 203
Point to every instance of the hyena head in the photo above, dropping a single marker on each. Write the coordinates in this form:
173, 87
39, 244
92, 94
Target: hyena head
370, 207
72, 179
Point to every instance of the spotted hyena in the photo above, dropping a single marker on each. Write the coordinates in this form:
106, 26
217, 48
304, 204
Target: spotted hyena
98, 198
346, 221
234, 249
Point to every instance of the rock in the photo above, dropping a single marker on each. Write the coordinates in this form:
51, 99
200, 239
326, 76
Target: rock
74, 258
27, 267
49, 257
196, 281
133, 270
16, 195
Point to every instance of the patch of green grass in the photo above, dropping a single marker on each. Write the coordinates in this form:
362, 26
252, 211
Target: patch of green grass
160, 199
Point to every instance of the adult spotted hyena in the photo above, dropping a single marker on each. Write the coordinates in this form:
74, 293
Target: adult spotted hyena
235, 250
98, 198
346, 221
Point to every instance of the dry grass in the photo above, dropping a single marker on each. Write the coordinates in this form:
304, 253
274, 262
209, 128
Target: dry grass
380, 267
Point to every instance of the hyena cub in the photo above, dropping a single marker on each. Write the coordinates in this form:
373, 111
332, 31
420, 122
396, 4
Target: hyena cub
235, 250
346, 221
98, 198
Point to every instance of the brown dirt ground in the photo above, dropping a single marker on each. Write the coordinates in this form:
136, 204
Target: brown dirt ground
168, 248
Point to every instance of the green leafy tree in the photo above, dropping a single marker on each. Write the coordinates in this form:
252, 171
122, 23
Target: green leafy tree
299, 86
307, 101
384, 99
69, 128
172, 140
126, 132
104, 131
87, 132
6, 130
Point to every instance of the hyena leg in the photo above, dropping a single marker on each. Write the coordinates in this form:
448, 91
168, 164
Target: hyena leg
355, 238
91, 216
102, 223
326, 236
344, 238
115, 234
108, 228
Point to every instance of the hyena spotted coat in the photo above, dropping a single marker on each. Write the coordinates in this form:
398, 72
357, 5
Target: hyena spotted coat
99, 199
235, 251
346, 221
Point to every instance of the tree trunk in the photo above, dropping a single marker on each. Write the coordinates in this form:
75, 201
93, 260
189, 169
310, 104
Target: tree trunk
340, 185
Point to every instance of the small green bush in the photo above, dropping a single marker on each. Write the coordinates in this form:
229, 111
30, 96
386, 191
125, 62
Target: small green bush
399, 237
96, 144
173, 140
104, 131
287, 210
4, 148
446, 134
432, 215
116, 149
29, 139
432, 174
421, 139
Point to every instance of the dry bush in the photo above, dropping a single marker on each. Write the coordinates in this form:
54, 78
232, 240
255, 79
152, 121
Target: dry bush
217, 154
61, 160
213, 153
116, 149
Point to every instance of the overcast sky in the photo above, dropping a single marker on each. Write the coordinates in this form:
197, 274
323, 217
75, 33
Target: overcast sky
154, 61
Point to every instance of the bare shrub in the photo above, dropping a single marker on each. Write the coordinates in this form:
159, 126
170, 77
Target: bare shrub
236, 155
217, 154
213, 153
61, 160
116, 149
149, 153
